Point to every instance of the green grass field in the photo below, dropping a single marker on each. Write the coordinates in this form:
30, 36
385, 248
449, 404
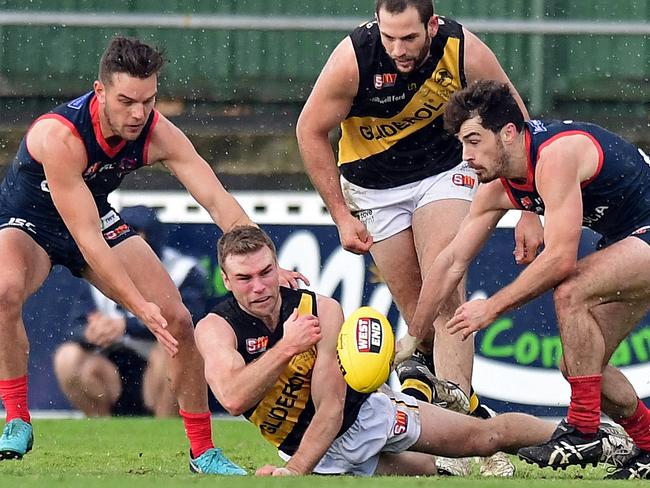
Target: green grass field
153, 453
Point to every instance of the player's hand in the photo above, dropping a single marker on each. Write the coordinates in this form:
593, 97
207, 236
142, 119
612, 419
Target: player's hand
405, 348
301, 332
471, 317
421, 330
529, 236
103, 330
270, 470
151, 316
290, 278
354, 235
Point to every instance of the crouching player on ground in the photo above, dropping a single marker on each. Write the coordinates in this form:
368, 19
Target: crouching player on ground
270, 354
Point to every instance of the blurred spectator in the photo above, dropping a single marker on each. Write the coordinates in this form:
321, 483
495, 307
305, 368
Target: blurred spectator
113, 364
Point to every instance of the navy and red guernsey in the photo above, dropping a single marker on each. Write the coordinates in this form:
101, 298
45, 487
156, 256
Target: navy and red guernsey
24, 189
616, 199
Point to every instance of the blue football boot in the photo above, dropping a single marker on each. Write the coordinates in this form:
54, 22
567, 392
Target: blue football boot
16, 440
213, 461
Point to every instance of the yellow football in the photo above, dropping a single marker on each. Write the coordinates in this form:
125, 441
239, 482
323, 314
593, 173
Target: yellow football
365, 349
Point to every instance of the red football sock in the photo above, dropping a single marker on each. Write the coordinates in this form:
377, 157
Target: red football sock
14, 396
198, 429
584, 409
638, 426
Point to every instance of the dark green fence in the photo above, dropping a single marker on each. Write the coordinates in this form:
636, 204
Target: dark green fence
280, 66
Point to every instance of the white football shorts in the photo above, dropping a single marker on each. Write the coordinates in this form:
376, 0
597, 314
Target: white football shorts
386, 212
387, 422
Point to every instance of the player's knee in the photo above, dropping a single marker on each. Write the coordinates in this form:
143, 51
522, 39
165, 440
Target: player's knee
179, 322
489, 437
567, 296
67, 360
12, 295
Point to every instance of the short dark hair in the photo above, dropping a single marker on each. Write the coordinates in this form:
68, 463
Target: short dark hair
424, 7
243, 239
491, 100
131, 56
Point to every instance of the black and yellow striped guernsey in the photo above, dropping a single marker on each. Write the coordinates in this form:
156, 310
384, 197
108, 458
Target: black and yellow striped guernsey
394, 132
284, 414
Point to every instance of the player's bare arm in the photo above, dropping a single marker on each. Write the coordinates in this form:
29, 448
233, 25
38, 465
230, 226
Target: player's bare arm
446, 272
562, 166
482, 64
63, 158
239, 386
327, 106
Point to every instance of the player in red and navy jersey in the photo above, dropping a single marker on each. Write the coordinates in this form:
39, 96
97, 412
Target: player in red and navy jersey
575, 174
54, 210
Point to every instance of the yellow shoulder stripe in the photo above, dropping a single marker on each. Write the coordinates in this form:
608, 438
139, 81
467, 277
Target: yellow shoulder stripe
363, 137
306, 305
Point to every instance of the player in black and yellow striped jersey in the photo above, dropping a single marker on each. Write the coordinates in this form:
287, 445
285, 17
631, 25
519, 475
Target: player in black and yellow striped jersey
400, 188
287, 408
270, 354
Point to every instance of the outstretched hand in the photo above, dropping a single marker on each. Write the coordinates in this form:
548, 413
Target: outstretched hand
471, 317
151, 316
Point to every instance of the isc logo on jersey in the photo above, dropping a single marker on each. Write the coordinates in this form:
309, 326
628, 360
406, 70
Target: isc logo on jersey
365, 349
369, 335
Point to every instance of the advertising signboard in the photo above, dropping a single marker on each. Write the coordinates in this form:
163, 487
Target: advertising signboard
516, 357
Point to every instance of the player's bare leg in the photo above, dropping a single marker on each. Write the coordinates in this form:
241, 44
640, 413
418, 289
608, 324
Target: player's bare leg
434, 226
595, 314
616, 389
397, 261
24, 266
186, 368
156, 391
447, 433
597, 307
402, 260
406, 464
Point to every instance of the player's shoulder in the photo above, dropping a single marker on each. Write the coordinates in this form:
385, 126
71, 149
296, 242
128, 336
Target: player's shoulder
53, 126
327, 305
213, 325
342, 55
54, 135
163, 128
166, 140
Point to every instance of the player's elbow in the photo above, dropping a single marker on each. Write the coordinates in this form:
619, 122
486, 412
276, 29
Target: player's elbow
227, 397
309, 133
302, 128
233, 408
564, 265
232, 403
